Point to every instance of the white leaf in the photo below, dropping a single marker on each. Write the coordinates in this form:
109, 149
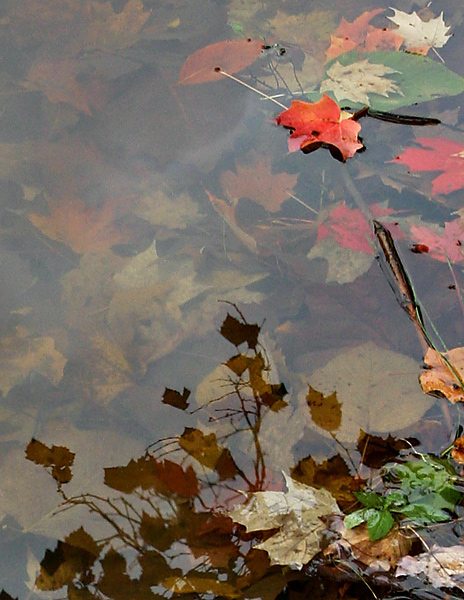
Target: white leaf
296, 513
442, 566
418, 33
355, 81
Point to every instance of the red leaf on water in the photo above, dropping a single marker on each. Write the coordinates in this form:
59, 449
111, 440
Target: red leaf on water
362, 36
321, 123
437, 154
230, 55
449, 245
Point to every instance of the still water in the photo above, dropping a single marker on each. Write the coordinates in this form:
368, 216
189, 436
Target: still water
180, 292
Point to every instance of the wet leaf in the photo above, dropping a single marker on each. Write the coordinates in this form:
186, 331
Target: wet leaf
237, 332
326, 411
80, 227
458, 450
255, 180
439, 378
377, 389
349, 227
442, 244
227, 212
230, 55
23, 355
206, 450
196, 584
416, 79
362, 36
57, 458
70, 559
296, 513
165, 477
419, 36
441, 566
319, 124
437, 154
344, 265
58, 80
376, 451
176, 399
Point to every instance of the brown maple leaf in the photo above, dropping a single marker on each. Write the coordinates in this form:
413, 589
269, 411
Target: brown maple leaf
255, 180
80, 227
444, 374
57, 79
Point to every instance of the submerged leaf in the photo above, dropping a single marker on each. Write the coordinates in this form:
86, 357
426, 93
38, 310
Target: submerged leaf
296, 513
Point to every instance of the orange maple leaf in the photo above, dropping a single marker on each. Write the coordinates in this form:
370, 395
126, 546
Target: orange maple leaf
256, 181
360, 35
80, 227
321, 123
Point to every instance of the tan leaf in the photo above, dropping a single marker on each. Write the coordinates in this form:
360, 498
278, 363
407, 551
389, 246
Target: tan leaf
255, 180
22, 355
440, 378
418, 34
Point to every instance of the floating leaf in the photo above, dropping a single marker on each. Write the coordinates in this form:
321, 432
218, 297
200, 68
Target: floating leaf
296, 513
437, 154
439, 378
230, 55
416, 79
175, 398
57, 458
319, 124
419, 36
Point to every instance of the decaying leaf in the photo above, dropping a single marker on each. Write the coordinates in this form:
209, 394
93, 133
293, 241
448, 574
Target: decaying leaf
458, 450
57, 458
322, 123
419, 36
378, 389
296, 513
23, 355
437, 154
356, 81
230, 55
379, 555
326, 411
439, 377
442, 244
442, 566
255, 180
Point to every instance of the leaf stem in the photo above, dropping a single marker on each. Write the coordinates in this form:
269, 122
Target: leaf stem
250, 87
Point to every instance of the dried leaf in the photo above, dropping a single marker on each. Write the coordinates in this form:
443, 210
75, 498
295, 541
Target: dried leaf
230, 55
441, 566
296, 513
255, 180
458, 450
321, 123
326, 411
419, 36
175, 398
439, 378
57, 458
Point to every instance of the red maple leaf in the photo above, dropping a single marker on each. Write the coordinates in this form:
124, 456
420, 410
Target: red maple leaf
437, 154
448, 246
362, 36
350, 228
321, 123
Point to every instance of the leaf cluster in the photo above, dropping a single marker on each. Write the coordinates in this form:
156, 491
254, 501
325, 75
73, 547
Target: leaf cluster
423, 491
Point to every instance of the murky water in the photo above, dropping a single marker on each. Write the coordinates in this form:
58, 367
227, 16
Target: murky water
178, 288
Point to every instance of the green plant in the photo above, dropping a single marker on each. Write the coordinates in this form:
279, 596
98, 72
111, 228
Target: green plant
421, 490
